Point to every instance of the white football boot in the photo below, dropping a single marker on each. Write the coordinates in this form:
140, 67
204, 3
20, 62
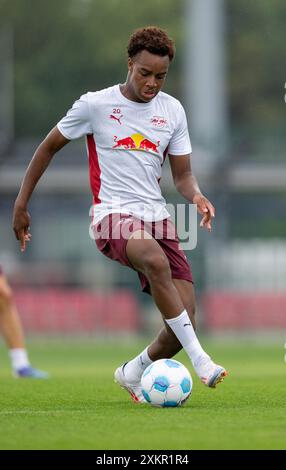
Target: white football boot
211, 374
133, 388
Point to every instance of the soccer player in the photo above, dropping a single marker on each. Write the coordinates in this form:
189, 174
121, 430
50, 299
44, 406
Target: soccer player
11, 328
130, 128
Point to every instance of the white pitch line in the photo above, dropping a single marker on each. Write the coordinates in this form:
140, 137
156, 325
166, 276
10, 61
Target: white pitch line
39, 412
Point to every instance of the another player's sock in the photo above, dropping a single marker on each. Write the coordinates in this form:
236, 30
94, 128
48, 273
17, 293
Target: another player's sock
183, 329
134, 369
19, 359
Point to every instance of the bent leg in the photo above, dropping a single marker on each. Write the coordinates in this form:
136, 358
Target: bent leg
146, 256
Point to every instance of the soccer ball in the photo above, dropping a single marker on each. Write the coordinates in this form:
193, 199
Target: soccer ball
166, 382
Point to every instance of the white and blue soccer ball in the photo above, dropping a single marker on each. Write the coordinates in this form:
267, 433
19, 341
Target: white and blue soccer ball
166, 383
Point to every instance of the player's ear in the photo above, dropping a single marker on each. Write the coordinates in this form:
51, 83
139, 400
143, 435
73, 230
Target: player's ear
130, 64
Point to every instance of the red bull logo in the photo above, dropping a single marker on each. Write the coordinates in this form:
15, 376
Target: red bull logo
159, 121
147, 145
136, 142
126, 143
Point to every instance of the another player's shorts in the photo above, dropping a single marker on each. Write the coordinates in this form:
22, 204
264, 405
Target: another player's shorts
112, 234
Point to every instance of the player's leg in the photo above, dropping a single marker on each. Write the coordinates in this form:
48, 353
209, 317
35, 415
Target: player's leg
166, 344
9, 320
146, 256
11, 329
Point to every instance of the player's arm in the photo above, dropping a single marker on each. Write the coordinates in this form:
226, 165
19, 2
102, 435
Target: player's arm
187, 185
39, 163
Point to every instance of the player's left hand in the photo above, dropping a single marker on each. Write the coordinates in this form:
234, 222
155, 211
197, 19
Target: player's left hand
206, 209
21, 225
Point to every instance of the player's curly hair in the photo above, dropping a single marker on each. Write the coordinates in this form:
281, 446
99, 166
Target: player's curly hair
153, 40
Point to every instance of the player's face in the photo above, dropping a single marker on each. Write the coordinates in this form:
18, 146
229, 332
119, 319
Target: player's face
147, 73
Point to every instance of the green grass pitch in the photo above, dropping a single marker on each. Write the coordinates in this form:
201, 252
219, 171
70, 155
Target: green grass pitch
81, 407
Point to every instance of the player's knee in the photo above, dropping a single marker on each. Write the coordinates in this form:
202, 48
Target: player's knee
157, 267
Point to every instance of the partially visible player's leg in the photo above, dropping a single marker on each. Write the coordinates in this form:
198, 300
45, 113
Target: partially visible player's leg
9, 320
11, 329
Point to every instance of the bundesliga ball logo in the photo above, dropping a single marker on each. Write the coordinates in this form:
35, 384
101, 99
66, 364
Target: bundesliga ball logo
166, 383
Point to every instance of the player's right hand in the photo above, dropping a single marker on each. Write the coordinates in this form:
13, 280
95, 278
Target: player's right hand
21, 225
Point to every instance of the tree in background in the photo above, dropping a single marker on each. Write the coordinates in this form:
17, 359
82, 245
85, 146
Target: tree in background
64, 48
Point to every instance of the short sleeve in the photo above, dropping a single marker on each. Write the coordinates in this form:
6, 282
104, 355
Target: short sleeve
180, 143
76, 122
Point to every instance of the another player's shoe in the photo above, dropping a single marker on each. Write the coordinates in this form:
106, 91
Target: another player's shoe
210, 373
31, 373
134, 388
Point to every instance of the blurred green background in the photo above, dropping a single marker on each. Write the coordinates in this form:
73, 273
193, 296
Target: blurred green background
229, 73
85, 314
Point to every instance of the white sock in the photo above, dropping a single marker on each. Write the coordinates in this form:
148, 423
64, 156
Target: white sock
135, 368
19, 358
183, 329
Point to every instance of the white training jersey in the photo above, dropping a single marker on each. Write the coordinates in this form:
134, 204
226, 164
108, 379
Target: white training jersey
127, 143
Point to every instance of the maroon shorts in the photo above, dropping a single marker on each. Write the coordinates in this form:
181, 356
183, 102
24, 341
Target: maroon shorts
112, 234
